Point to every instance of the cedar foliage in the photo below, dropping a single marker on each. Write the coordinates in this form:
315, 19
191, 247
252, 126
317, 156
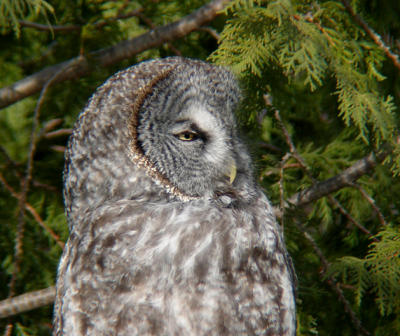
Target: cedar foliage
337, 94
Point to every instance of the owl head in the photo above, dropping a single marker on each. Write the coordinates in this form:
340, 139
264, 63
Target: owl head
185, 127
160, 129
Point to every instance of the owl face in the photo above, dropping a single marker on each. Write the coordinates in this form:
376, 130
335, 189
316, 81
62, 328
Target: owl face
186, 129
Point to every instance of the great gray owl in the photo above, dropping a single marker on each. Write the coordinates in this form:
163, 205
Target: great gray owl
169, 233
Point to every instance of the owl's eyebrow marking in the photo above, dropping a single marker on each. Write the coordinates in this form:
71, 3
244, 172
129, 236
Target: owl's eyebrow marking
197, 129
190, 125
182, 121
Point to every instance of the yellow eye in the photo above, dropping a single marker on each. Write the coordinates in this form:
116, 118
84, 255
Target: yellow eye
187, 136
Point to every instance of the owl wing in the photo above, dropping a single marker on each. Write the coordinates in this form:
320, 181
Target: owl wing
175, 269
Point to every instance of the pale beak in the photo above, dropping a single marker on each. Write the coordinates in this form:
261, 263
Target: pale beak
232, 173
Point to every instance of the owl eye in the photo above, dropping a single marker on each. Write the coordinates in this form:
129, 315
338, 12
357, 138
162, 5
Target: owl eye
187, 136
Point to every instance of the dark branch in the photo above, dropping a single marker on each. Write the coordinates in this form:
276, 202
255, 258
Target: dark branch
43, 27
151, 25
345, 179
108, 56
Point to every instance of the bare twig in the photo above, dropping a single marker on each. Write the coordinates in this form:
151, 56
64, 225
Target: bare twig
293, 150
211, 31
309, 18
270, 147
15, 167
60, 132
27, 301
371, 201
332, 282
285, 158
54, 28
33, 212
42, 185
344, 212
373, 35
51, 124
59, 149
108, 56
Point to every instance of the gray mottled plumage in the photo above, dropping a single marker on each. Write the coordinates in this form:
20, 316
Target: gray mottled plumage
161, 241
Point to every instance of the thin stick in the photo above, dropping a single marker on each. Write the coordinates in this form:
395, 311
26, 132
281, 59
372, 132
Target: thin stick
309, 18
293, 150
33, 212
344, 212
27, 301
211, 31
371, 201
57, 133
332, 282
373, 35
281, 187
54, 28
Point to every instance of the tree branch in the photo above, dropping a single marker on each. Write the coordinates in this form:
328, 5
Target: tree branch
108, 56
344, 179
151, 25
373, 35
320, 189
27, 301
43, 27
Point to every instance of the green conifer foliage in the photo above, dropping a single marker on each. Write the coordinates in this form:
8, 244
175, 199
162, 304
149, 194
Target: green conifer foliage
11, 11
321, 91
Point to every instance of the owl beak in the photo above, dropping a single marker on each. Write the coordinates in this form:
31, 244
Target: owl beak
232, 173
